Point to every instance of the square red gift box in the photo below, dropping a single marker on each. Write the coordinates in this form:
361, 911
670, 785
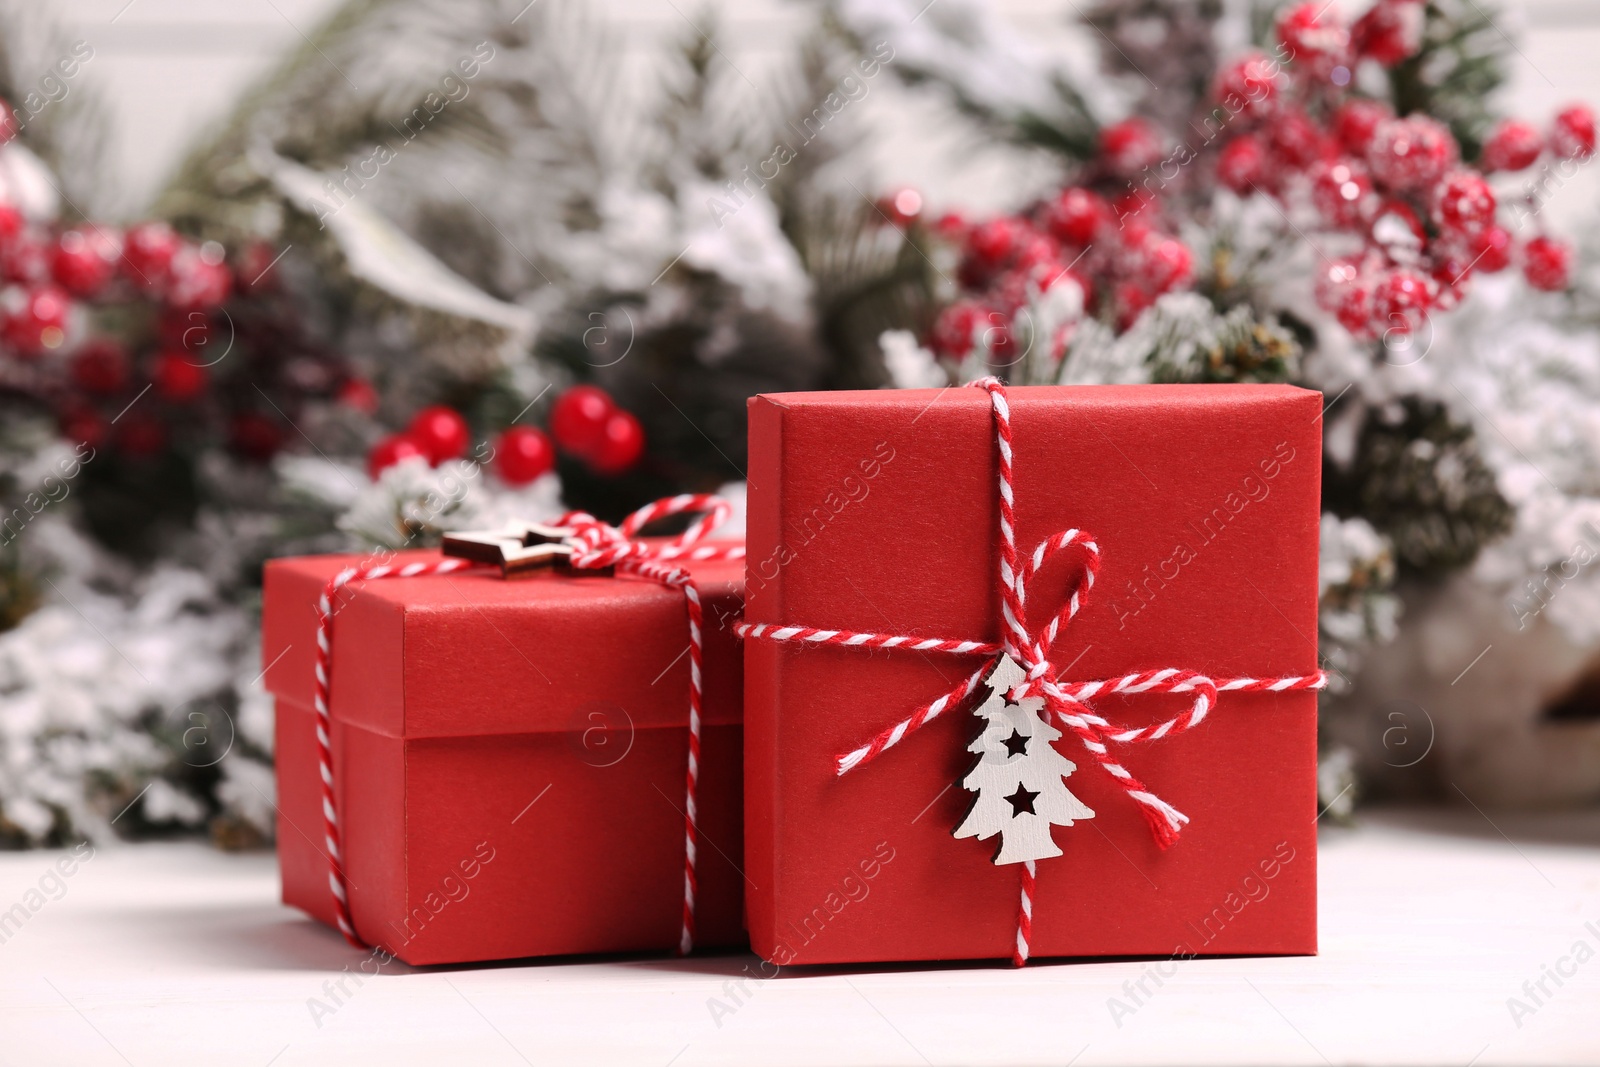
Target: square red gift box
1177, 535
509, 757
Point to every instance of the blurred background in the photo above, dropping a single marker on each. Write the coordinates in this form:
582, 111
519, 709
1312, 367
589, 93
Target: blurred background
172, 66
288, 276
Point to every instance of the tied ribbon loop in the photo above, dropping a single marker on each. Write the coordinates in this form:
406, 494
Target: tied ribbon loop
1067, 702
593, 546
597, 544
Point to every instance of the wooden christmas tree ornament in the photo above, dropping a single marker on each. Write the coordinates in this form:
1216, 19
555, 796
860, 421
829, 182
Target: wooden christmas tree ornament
1018, 779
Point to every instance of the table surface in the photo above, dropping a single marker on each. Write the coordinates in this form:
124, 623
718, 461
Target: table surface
1432, 921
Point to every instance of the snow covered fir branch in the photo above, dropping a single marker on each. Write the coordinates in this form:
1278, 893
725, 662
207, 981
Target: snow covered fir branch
502, 279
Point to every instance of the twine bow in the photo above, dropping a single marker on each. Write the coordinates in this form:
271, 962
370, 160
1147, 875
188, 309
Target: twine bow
1068, 702
588, 545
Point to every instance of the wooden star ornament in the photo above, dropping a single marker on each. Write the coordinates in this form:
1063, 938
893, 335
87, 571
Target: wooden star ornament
519, 549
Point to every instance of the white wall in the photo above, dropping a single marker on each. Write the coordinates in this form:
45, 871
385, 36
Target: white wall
168, 67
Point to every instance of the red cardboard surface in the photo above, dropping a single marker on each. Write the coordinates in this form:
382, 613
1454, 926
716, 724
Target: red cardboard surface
877, 511
510, 759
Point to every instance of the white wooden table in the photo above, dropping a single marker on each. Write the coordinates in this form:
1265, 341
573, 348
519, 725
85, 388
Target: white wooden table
1431, 921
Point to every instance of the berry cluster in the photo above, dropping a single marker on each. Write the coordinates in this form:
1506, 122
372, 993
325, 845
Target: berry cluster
584, 423
1117, 252
165, 293
60, 283
149, 345
1403, 221
205, 353
1399, 220
168, 372
48, 272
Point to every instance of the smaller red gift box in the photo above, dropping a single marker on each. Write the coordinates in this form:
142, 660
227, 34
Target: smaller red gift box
877, 515
510, 758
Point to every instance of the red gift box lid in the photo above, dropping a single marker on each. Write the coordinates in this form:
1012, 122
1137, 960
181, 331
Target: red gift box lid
471, 653
911, 547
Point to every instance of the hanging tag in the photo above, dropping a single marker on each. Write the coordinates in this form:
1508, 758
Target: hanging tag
1018, 779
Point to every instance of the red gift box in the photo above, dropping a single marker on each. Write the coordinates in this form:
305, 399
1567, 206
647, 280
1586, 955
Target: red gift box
877, 512
509, 757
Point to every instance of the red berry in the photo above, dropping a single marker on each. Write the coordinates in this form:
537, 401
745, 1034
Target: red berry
1572, 136
101, 367
255, 436
147, 251
1077, 216
140, 436
11, 223
951, 226
1463, 203
1248, 86
1390, 32
1297, 141
85, 427
177, 378
993, 242
620, 445
1399, 301
902, 206
27, 259
1167, 265
1411, 153
1130, 146
1242, 166
1315, 37
1491, 250
1342, 290
954, 331
1547, 264
36, 319
1356, 121
522, 454
1513, 145
391, 450
84, 261
199, 278
359, 395
1034, 250
578, 418
1332, 279
1342, 192
1008, 295
1133, 212
440, 432
1134, 236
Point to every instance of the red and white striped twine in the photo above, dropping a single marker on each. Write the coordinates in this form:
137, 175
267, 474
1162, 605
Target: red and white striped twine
595, 545
1067, 701
330, 804
1019, 952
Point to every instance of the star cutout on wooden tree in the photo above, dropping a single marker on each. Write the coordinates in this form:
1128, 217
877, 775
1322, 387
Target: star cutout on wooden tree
1022, 801
1016, 744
